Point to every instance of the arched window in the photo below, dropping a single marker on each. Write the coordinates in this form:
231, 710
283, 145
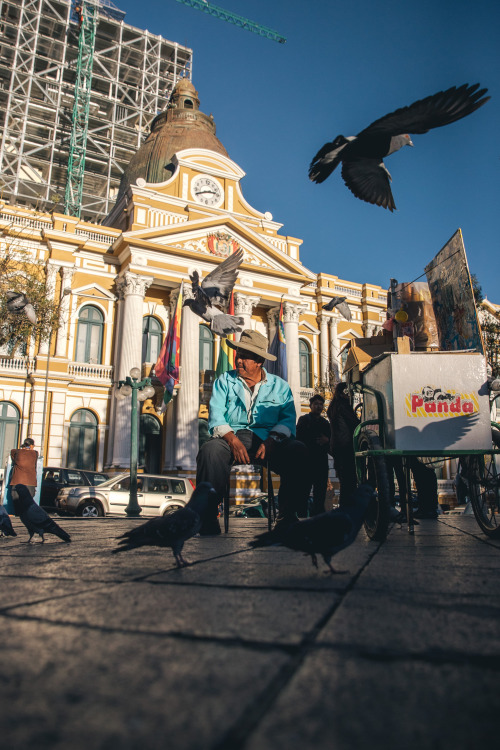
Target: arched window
152, 335
82, 442
305, 364
206, 348
89, 335
9, 429
150, 444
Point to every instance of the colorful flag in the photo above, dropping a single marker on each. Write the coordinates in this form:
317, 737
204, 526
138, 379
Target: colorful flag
225, 360
167, 367
278, 348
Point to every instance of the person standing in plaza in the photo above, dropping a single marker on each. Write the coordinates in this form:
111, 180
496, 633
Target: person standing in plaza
314, 431
343, 422
24, 460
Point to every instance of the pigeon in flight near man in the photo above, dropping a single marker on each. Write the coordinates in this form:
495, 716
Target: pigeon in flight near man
36, 520
17, 302
172, 530
325, 534
6, 528
215, 289
363, 168
341, 305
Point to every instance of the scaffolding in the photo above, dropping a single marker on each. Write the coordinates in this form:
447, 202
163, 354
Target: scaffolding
133, 74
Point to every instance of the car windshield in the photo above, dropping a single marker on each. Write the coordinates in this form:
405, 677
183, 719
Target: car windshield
113, 479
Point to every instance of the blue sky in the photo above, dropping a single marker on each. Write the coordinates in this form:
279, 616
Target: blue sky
343, 66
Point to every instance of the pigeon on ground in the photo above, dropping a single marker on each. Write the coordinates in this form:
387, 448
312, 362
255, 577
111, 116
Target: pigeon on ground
341, 305
6, 528
363, 169
215, 289
175, 529
36, 520
17, 302
325, 534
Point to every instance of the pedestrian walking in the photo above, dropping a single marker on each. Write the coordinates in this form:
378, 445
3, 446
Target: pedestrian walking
343, 422
24, 461
314, 431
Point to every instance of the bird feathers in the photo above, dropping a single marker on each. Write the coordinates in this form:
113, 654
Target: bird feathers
363, 169
36, 520
341, 305
6, 528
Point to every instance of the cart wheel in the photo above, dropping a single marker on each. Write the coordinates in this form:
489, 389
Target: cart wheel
374, 472
484, 491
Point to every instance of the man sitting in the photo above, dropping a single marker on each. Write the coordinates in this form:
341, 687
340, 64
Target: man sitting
252, 420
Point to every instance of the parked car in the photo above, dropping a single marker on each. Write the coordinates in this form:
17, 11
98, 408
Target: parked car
157, 496
56, 478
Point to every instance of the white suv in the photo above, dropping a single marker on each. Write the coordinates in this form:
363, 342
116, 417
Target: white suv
157, 496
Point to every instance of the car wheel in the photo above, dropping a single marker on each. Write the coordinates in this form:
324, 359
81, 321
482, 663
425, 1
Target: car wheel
90, 509
171, 509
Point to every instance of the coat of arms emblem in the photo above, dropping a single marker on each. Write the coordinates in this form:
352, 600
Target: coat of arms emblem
221, 244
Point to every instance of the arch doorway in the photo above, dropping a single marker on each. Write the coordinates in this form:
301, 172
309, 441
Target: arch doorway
150, 444
82, 442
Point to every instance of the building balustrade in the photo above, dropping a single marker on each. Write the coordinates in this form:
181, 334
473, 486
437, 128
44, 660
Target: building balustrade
17, 364
88, 371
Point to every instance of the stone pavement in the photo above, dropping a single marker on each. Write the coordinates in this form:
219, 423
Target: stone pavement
250, 649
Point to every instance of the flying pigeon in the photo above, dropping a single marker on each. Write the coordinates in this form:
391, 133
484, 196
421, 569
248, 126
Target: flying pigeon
17, 302
175, 529
363, 169
6, 528
325, 534
341, 305
36, 520
215, 289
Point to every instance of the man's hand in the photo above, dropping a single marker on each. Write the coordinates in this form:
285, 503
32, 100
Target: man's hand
238, 450
265, 448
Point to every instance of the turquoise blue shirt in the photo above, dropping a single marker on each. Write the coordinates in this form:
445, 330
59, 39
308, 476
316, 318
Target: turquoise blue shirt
273, 406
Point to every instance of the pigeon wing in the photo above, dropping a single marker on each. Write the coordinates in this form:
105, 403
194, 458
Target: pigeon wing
369, 180
434, 111
344, 310
334, 303
220, 282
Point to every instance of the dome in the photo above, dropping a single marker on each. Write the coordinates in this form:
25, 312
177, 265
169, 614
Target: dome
180, 126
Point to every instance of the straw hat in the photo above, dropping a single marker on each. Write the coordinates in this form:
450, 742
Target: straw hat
255, 342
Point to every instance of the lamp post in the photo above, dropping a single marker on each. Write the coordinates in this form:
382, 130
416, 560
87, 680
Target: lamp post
139, 390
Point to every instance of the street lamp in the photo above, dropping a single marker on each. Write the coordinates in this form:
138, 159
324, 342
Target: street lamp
140, 391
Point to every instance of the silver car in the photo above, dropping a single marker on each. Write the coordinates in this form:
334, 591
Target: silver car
157, 496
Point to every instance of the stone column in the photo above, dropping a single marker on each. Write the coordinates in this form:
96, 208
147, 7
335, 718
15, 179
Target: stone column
334, 348
188, 400
64, 304
243, 306
323, 349
131, 290
52, 271
291, 315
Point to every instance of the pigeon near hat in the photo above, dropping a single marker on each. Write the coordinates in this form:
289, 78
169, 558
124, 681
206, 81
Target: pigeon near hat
255, 342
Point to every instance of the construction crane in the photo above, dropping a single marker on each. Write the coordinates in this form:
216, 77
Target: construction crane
225, 15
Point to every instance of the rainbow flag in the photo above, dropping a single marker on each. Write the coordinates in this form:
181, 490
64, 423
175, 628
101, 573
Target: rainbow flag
225, 360
167, 367
278, 348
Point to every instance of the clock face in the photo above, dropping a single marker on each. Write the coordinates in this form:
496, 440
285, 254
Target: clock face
207, 191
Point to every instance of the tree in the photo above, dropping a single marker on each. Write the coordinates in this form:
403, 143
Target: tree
21, 271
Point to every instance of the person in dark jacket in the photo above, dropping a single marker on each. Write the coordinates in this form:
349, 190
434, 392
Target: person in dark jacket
24, 466
314, 431
343, 422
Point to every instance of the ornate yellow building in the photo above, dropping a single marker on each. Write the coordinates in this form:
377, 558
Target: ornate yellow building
180, 207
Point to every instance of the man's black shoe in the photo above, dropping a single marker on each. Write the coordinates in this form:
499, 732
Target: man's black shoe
283, 524
211, 527
425, 514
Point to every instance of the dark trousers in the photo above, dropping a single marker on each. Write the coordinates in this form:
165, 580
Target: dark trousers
318, 479
345, 468
288, 459
425, 482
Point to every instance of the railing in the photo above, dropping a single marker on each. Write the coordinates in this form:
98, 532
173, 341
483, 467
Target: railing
86, 371
106, 239
17, 364
25, 221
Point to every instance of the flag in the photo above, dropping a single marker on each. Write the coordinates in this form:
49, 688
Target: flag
225, 360
278, 348
167, 367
